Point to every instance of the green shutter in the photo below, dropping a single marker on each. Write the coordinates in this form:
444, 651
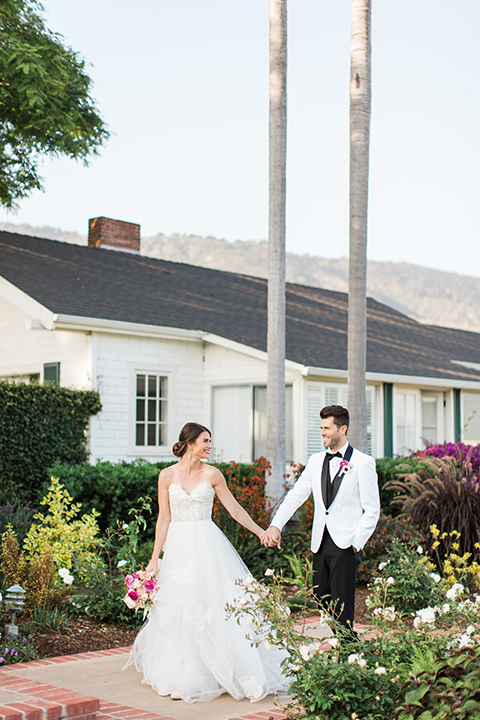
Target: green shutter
457, 421
388, 419
51, 373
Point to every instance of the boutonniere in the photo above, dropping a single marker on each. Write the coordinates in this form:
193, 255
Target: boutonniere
345, 466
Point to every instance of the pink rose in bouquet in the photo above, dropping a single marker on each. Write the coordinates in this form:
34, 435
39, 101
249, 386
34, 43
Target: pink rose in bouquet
141, 589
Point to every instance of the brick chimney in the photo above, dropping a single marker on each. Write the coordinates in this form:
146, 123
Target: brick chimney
114, 235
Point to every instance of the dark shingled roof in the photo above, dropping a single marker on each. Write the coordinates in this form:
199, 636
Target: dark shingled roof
89, 282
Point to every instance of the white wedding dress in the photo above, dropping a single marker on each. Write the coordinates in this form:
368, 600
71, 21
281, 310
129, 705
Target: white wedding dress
188, 649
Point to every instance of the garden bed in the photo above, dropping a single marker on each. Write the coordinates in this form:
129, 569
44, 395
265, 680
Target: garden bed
86, 634
81, 635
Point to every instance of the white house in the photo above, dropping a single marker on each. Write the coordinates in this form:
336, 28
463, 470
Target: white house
167, 342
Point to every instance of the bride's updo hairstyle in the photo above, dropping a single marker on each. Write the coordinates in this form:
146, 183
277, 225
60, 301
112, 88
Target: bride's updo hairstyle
188, 434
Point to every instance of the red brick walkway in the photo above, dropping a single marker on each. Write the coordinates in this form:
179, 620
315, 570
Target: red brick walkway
40, 701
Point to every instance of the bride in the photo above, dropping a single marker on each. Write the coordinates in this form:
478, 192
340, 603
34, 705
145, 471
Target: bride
188, 649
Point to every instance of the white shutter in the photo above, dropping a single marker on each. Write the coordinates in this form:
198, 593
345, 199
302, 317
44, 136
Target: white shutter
260, 422
471, 417
370, 410
232, 423
315, 402
289, 423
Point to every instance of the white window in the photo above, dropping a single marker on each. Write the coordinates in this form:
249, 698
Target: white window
232, 423
239, 427
471, 417
406, 422
151, 410
432, 417
260, 422
429, 418
322, 394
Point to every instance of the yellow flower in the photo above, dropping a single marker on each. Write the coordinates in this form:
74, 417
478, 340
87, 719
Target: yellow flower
435, 531
435, 544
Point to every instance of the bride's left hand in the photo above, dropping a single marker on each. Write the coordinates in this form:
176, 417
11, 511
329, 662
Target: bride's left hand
152, 566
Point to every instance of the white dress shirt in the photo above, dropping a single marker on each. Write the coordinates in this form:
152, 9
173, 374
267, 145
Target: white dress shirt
335, 461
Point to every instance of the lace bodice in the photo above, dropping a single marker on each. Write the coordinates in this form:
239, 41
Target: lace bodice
196, 506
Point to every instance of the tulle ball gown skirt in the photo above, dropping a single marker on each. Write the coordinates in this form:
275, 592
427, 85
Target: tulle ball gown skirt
188, 648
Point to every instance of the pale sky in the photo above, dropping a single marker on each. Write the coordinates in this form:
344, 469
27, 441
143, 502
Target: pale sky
183, 85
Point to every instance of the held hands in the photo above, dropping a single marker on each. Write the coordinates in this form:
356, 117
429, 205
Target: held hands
271, 537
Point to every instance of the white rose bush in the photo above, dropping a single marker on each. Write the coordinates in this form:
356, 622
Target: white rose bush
375, 678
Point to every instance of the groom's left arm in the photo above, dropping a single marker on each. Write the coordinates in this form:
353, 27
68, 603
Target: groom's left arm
369, 500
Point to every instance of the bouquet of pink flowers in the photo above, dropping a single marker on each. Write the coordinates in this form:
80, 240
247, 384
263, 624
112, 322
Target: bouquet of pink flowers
141, 588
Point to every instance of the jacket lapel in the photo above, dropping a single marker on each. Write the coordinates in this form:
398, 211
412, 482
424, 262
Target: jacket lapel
325, 480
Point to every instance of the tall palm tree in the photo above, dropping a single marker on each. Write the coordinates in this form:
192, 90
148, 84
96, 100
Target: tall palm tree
276, 246
360, 110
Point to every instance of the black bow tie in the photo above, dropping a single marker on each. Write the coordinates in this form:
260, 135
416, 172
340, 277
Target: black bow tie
329, 456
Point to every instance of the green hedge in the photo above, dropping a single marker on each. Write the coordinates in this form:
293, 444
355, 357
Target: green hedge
114, 488
40, 424
386, 470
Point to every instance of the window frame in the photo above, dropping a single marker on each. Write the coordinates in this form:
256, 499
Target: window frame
144, 451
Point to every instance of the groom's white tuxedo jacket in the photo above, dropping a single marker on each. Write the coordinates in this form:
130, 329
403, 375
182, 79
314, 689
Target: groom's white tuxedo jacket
353, 514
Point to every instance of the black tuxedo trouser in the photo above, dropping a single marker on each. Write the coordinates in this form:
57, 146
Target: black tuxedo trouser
334, 577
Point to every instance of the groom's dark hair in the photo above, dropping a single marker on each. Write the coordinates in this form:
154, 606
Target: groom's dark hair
339, 414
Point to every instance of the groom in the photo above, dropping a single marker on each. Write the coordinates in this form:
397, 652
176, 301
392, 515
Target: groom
345, 491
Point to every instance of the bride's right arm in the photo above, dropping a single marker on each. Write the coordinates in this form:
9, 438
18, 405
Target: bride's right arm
163, 521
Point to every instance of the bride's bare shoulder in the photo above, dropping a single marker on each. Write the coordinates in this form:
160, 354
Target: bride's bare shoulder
166, 475
213, 474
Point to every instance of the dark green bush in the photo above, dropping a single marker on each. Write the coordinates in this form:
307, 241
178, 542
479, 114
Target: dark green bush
450, 689
111, 488
19, 517
114, 488
387, 469
39, 425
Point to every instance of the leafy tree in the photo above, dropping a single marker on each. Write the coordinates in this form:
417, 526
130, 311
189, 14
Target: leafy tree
45, 106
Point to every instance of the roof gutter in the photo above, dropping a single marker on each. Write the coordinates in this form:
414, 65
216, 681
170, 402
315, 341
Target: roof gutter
445, 383
119, 327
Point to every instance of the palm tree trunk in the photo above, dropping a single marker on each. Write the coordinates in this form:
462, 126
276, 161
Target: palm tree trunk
276, 247
360, 110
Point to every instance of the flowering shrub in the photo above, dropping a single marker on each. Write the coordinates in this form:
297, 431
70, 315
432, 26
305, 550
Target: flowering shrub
378, 548
341, 678
16, 649
105, 587
407, 580
35, 574
455, 568
73, 541
249, 490
444, 494
457, 451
